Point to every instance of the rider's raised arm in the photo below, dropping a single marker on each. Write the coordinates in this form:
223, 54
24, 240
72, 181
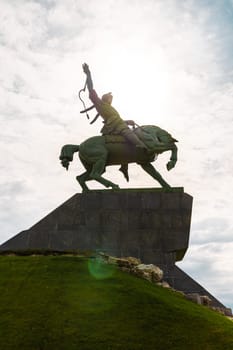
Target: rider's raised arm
92, 93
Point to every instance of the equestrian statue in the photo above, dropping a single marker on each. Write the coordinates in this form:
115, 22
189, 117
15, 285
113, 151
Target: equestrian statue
119, 144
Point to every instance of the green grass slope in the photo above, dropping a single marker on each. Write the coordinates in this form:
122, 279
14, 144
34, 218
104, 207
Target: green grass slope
68, 302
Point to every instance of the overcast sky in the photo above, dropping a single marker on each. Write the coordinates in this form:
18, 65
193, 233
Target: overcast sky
167, 62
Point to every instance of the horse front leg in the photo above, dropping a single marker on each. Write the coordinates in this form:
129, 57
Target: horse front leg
97, 170
148, 167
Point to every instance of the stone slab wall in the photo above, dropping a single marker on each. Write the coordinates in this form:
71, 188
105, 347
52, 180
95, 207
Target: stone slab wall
150, 224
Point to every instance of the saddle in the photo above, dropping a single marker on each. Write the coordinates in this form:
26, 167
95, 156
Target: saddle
114, 139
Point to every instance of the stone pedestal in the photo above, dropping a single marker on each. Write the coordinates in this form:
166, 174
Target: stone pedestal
150, 224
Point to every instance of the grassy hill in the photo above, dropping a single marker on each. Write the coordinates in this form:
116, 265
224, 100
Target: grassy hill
68, 302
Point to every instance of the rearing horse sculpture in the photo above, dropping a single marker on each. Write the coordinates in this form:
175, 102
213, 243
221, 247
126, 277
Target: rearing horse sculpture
98, 152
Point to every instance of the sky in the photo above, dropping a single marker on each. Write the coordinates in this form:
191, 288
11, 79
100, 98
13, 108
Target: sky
167, 63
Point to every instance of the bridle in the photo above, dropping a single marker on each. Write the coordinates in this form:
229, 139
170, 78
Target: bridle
86, 109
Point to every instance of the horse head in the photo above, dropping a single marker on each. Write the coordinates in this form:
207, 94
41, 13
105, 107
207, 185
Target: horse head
156, 139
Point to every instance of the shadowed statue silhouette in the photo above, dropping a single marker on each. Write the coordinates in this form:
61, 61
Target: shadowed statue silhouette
119, 144
98, 152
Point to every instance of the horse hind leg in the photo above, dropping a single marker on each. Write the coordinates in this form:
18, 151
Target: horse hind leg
97, 170
148, 167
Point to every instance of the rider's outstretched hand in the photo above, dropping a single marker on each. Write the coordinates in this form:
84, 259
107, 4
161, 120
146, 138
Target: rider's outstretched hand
86, 68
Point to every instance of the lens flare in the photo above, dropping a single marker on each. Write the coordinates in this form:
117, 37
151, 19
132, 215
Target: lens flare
99, 269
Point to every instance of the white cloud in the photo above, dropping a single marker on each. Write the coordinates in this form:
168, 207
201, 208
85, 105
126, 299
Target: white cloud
211, 265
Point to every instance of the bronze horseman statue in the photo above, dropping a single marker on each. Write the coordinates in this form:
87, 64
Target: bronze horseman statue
119, 144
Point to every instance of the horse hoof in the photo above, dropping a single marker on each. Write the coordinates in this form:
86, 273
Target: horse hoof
85, 190
167, 188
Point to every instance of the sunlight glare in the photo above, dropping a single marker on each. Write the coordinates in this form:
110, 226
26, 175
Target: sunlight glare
142, 88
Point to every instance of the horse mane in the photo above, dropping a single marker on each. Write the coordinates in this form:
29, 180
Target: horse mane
153, 135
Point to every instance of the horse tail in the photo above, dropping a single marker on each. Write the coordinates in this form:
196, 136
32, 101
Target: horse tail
67, 153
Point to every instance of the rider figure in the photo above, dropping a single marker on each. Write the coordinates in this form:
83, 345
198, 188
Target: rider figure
113, 123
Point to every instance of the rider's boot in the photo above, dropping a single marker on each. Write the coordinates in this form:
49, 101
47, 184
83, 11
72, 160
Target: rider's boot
132, 137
